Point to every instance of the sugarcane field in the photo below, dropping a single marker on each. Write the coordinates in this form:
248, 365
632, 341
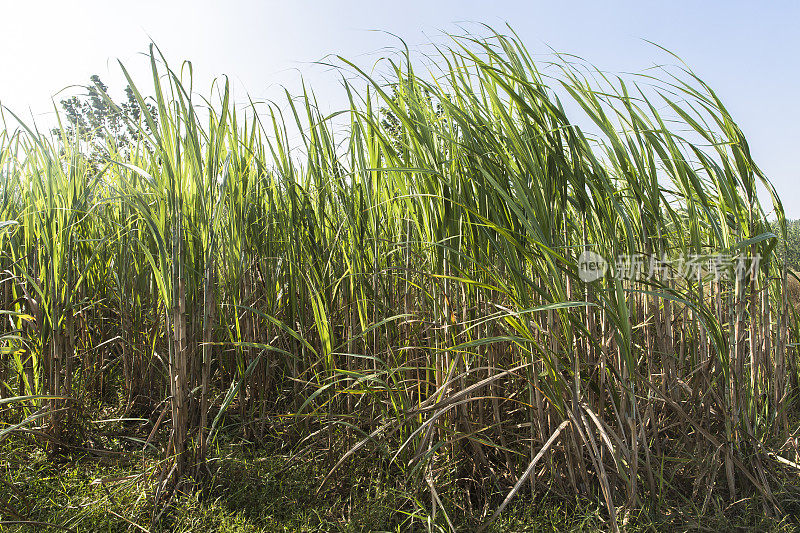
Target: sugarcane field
440, 277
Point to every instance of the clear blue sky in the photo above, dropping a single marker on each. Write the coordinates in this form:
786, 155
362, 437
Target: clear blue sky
749, 52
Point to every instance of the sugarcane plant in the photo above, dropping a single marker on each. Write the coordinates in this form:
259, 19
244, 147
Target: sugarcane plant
405, 280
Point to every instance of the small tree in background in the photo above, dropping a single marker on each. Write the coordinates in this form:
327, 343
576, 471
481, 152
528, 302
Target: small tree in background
791, 251
93, 120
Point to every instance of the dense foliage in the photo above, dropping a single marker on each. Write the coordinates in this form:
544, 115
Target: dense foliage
405, 291
789, 249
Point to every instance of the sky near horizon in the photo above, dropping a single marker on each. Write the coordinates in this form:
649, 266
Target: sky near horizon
748, 52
